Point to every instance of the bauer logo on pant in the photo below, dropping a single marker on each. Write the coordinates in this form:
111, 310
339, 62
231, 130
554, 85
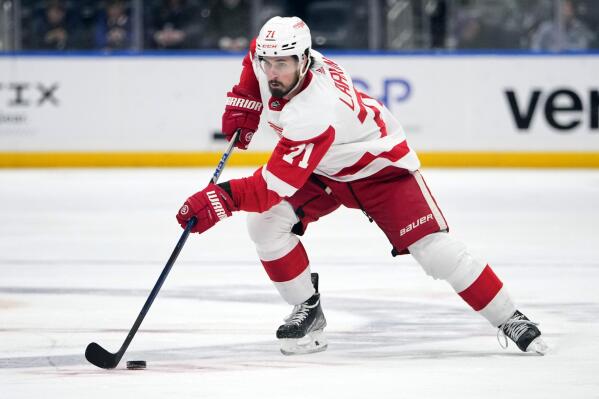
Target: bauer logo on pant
415, 224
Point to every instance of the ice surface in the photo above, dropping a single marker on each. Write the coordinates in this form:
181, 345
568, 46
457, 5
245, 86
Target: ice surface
81, 249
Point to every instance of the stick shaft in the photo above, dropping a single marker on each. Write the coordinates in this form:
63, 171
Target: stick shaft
171, 261
224, 158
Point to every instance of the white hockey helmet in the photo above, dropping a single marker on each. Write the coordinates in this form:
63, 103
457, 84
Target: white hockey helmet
284, 36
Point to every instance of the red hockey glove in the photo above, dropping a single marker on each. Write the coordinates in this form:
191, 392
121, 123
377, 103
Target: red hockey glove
209, 206
241, 112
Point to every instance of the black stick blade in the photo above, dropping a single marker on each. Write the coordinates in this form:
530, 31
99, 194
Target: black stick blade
100, 357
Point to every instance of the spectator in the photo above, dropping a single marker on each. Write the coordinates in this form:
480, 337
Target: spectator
175, 26
113, 29
569, 34
476, 31
472, 33
52, 32
229, 25
437, 13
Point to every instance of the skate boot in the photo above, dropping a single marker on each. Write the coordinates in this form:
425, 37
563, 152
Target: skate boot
303, 331
523, 332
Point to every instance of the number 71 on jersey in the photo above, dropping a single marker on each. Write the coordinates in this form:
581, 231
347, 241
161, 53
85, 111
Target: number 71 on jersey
296, 151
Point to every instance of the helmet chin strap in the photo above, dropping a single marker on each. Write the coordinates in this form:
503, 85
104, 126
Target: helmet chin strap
300, 78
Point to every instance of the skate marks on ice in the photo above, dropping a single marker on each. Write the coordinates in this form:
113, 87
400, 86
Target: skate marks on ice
387, 329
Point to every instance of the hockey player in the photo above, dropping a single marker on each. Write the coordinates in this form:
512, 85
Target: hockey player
337, 147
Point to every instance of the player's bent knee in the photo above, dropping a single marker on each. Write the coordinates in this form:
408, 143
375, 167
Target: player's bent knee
439, 254
272, 225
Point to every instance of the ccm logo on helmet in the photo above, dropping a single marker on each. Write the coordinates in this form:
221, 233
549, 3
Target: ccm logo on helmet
218, 207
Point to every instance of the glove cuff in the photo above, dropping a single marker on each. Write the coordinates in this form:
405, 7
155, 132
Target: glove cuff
227, 196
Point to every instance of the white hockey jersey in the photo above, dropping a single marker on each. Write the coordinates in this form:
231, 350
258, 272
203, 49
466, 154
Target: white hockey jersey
330, 129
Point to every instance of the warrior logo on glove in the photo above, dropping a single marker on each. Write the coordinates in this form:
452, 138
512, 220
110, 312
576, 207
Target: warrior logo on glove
218, 207
209, 206
242, 112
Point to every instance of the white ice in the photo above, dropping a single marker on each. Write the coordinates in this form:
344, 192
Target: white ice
81, 249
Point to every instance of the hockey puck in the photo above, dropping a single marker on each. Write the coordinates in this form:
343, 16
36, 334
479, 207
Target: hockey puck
136, 364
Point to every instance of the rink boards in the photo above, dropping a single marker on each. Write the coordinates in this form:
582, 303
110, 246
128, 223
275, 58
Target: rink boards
537, 110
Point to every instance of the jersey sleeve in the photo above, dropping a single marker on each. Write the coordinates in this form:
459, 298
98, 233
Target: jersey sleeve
287, 170
251, 194
292, 162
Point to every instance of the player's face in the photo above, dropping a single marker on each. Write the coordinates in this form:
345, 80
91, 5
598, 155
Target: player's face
282, 74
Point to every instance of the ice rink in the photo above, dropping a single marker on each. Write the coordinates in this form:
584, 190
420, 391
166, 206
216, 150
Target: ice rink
80, 251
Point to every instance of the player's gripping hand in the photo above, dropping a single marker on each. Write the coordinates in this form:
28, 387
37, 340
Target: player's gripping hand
209, 206
241, 112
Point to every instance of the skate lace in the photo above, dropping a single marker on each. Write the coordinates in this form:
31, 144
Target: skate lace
514, 328
287, 318
299, 313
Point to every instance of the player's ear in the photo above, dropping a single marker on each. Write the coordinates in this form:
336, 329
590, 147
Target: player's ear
303, 61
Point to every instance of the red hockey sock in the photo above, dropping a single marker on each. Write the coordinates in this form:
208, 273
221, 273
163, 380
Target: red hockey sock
482, 291
287, 267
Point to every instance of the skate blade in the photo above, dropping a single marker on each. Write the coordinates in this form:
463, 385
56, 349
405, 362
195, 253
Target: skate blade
311, 343
538, 346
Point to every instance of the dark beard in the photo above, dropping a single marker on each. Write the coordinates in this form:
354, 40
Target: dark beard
281, 92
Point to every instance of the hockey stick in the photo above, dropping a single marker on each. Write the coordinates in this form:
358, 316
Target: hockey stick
99, 356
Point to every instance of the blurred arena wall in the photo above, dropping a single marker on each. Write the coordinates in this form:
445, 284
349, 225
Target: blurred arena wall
458, 109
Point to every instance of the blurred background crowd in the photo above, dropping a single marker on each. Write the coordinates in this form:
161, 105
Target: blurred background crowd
136, 25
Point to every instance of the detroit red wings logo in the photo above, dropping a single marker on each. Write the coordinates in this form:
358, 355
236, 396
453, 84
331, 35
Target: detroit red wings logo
276, 103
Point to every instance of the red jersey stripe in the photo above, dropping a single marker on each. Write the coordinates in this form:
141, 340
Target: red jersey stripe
363, 113
394, 154
379, 121
377, 113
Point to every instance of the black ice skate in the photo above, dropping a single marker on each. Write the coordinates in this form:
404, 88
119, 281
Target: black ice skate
524, 333
303, 331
